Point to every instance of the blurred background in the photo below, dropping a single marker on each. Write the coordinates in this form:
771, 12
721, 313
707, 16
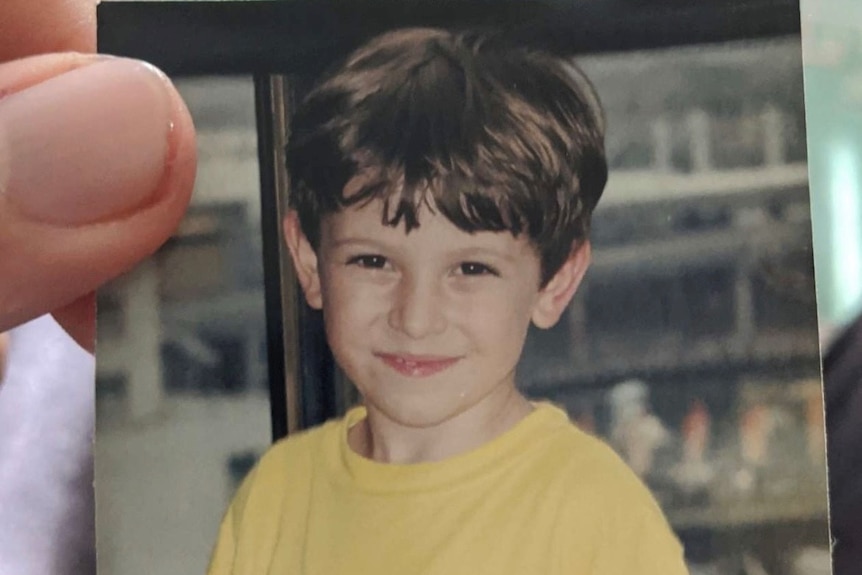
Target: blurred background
692, 345
692, 348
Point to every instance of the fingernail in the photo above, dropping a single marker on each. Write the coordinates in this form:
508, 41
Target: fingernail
86, 145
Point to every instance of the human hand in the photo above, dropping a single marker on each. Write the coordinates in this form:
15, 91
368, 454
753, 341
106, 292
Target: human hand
97, 162
4, 347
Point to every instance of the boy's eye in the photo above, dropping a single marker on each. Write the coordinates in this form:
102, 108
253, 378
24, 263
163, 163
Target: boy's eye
476, 269
368, 261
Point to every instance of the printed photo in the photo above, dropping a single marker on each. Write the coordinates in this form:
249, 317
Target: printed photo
464, 289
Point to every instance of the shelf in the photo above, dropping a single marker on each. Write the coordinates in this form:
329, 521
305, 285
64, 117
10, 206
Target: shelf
747, 513
747, 186
685, 250
729, 354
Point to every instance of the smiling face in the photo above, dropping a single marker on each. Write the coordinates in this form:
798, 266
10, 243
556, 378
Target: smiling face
429, 325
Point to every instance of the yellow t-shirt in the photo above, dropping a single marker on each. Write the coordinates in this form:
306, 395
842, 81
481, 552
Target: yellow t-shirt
541, 499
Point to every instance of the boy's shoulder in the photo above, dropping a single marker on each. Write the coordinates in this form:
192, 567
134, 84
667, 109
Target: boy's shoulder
597, 491
582, 458
589, 478
285, 467
295, 450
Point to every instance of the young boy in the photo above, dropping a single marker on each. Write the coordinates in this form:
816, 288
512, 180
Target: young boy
442, 186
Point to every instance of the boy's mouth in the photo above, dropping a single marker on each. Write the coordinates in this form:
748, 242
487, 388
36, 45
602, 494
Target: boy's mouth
417, 365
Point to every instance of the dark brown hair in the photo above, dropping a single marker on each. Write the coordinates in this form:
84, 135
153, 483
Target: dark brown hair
493, 136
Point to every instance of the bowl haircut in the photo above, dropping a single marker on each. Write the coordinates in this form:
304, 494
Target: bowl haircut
493, 136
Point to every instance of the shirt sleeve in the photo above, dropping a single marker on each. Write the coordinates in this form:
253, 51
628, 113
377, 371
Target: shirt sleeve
642, 545
615, 526
636, 538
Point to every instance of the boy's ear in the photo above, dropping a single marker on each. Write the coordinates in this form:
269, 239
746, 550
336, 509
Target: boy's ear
304, 259
556, 295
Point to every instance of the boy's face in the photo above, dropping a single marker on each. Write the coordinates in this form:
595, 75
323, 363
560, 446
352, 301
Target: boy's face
429, 324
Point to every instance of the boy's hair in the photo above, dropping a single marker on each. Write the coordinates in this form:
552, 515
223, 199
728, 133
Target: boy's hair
495, 137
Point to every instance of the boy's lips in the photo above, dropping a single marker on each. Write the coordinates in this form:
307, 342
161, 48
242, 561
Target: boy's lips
417, 365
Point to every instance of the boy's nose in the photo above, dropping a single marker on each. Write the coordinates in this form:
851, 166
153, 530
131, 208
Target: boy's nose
418, 310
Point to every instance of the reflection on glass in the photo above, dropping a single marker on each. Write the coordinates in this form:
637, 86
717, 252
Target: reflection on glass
182, 400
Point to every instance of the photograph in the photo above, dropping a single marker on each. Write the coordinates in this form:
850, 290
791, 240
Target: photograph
474, 287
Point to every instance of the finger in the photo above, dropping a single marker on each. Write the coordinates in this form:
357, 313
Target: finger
4, 348
79, 320
85, 195
28, 27
27, 72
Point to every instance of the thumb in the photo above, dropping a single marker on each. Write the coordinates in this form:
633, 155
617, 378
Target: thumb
97, 163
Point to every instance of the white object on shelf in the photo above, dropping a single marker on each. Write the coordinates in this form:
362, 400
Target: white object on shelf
774, 136
699, 125
662, 137
635, 431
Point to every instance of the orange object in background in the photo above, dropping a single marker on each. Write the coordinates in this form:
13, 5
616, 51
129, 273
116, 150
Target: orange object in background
754, 430
695, 432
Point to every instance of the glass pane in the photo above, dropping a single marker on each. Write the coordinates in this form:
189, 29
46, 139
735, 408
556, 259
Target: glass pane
182, 388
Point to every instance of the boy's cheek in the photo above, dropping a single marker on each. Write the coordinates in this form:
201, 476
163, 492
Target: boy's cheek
351, 310
502, 306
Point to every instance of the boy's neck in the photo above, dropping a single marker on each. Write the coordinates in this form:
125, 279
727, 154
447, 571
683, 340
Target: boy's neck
386, 441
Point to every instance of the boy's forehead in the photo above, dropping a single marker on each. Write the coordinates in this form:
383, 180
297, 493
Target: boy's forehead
368, 219
364, 217
366, 223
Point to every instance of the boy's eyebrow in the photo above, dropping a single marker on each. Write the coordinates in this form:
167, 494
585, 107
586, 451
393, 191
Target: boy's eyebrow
467, 252
485, 251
